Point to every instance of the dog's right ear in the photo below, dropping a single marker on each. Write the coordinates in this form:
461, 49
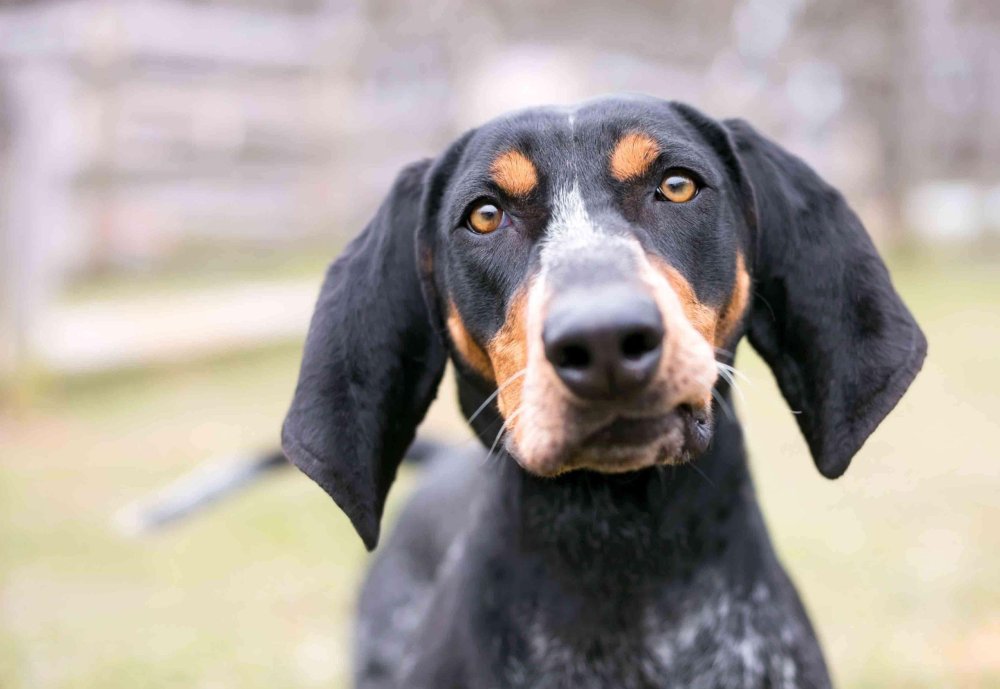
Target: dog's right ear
372, 362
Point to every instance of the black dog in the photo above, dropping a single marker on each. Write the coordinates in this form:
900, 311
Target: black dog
590, 272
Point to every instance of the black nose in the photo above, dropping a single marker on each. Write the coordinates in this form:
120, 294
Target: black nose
604, 344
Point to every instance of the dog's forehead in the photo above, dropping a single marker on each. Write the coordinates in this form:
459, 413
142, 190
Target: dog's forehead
558, 140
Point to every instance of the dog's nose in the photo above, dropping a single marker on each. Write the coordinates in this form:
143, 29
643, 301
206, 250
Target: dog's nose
604, 344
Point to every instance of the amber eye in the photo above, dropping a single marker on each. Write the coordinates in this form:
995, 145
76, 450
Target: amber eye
678, 187
485, 218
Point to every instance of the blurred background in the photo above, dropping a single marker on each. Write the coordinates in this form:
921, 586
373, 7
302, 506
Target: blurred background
175, 175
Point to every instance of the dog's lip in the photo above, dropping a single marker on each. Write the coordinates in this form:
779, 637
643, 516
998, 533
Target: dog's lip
631, 431
627, 443
628, 431
697, 428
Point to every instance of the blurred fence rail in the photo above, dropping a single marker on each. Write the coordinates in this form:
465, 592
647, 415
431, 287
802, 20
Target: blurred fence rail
129, 128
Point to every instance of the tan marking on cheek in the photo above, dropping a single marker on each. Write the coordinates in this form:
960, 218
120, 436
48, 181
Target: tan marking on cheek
702, 317
733, 313
688, 369
632, 156
466, 347
508, 352
542, 423
514, 173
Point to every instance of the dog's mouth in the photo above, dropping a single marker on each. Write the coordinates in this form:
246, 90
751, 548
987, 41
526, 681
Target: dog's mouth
629, 443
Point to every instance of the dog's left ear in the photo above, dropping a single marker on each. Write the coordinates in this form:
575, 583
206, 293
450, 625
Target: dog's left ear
824, 316
372, 362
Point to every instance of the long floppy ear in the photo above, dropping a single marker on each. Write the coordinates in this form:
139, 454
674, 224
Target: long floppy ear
372, 363
825, 316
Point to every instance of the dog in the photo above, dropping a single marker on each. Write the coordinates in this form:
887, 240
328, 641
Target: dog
590, 271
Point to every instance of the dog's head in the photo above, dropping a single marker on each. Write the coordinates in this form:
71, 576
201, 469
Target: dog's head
588, 271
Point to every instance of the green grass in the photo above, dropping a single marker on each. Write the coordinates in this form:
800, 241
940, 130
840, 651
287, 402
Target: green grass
898, 561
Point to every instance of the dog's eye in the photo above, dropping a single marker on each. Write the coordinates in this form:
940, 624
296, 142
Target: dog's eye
486, 217
678, 186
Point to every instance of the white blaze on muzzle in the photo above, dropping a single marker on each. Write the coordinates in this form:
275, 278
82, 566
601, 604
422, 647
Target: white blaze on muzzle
549, 420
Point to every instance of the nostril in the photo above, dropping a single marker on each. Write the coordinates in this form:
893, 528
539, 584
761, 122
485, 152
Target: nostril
606, 344
638, 343
573, 356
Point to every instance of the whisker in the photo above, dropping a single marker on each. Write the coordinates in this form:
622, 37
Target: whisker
728, 375
722, 404
494, 395
490, 457
504, 427
694, 466
735, 371
724, 352
739, 391
728, 372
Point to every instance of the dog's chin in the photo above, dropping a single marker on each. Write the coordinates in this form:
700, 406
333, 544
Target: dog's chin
628, 444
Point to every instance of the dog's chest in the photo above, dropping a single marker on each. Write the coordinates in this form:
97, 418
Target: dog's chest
715, 642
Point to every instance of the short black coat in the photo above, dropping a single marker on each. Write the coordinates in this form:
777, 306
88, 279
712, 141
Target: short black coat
661, 577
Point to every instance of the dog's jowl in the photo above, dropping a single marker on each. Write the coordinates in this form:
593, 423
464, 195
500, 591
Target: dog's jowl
590, 272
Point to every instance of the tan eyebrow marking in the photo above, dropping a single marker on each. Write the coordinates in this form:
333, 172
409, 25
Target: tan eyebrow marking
514, 173
633, 155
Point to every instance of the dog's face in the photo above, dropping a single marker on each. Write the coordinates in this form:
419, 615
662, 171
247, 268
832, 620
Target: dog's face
590, 265
588, 270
